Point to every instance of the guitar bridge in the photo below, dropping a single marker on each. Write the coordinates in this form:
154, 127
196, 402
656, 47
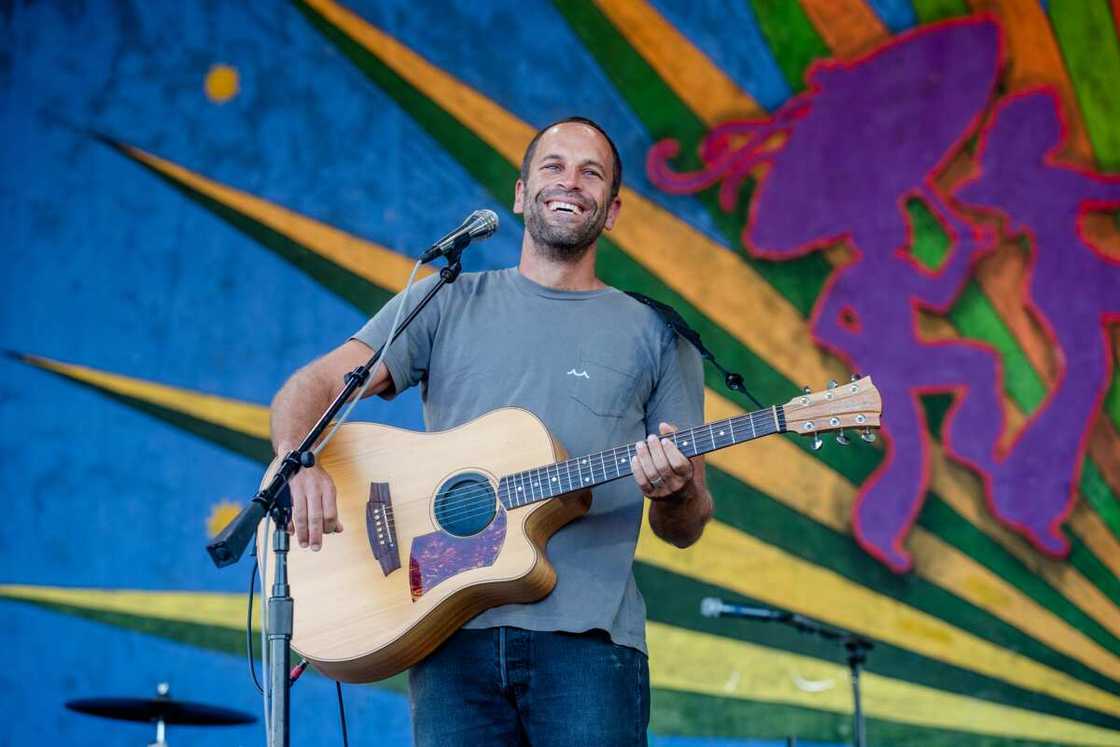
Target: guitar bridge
380, 528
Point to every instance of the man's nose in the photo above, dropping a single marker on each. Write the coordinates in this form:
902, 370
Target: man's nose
570, 180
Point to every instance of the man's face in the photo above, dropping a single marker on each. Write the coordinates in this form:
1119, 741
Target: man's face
567, 198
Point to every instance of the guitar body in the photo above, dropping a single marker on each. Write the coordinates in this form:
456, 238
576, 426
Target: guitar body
427, 543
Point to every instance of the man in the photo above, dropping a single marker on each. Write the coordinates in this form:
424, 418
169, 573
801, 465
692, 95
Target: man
600, 370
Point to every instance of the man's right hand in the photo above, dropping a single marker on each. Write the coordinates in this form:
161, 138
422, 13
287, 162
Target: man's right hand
314, 507
295, 409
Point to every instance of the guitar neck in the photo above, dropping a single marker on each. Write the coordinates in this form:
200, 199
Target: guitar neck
549, 481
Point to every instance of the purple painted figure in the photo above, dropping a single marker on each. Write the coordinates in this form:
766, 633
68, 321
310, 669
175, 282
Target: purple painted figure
1074, 292
867, 136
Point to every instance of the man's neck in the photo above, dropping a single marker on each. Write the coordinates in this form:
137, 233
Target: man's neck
578, 275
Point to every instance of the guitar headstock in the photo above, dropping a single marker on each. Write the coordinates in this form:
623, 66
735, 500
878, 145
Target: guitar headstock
856, 404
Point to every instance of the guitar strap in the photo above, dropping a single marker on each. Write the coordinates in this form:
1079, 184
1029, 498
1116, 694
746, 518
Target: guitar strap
674, 321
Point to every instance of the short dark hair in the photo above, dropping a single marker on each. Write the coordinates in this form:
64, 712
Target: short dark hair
616, 176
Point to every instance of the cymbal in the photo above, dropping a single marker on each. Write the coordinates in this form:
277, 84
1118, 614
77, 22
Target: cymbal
160, 709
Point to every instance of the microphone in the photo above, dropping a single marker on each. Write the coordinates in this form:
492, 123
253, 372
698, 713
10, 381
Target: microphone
713, 607
481, 224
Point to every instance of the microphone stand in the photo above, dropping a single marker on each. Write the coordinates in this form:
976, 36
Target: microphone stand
857, 648
275, 500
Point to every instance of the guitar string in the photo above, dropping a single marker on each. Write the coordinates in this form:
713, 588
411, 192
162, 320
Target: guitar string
468, 501
464, 504
468, 506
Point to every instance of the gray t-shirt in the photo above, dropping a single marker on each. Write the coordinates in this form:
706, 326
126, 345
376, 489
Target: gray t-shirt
599, 369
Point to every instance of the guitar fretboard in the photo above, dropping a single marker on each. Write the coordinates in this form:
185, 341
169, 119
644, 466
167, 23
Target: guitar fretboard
549, 481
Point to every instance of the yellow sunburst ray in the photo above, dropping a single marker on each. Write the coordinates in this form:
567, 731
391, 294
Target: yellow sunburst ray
682, 660
694, 662
363, 258
734, 560
233, 414
693, 77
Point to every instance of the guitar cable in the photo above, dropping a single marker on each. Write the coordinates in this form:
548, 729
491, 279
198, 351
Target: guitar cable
342, 714
249, 631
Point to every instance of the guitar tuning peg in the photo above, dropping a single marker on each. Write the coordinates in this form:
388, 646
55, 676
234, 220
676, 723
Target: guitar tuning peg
817, 442
868, 436
853, 377
841, 438
832, 384
807, 389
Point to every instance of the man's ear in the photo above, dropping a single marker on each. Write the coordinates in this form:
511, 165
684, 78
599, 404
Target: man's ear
519, 197
612, 213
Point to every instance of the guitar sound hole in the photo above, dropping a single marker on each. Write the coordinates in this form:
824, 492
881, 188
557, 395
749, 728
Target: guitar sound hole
465, 504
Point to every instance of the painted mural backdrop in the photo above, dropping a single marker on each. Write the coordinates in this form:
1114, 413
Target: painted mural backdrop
197, 198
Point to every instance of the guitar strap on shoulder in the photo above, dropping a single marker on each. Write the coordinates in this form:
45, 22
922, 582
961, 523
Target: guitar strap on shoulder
674, 321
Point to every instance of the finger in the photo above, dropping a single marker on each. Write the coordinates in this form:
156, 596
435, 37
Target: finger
645, 463
640, 476
331, 520
666, 428
299, 514
315, 520
678, 462
660, 461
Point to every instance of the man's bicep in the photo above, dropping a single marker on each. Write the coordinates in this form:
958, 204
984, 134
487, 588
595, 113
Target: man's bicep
348, 356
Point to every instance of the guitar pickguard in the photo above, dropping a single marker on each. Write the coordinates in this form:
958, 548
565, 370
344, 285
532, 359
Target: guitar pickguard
438, 556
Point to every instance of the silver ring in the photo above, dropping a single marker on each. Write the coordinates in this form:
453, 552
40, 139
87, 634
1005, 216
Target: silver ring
656, 482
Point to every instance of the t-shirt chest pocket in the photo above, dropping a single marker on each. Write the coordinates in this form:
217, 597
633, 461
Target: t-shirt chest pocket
607, 389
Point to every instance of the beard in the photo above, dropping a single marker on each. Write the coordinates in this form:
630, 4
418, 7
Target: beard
564, 242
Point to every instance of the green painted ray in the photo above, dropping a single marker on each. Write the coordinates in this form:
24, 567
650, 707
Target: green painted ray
793, 39
675, 599
1095, 491
664, 115
930, 11
248, 445
1090, 566
931, 244
210, 637
1112, 397
497, 175
1086, 34
940, 518
755, 513
357, 290
975, 317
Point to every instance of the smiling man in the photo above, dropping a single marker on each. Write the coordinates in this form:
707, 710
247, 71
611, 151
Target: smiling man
599, 369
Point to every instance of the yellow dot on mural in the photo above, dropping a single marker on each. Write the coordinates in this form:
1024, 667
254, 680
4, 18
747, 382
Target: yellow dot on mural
221, 514
221, 83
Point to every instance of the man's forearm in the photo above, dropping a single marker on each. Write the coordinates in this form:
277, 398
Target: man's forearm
681, 521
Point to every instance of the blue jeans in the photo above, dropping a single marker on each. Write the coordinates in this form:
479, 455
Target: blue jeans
508, 686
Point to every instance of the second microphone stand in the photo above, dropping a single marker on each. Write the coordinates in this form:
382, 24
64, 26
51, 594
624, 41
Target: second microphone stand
856, 646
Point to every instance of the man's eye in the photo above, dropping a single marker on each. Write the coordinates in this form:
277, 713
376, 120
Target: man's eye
551, 166
592, 172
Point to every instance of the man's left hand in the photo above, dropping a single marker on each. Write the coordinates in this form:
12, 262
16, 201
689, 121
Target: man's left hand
660, 469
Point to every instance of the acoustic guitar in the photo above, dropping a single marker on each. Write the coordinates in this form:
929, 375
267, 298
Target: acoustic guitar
427, 548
